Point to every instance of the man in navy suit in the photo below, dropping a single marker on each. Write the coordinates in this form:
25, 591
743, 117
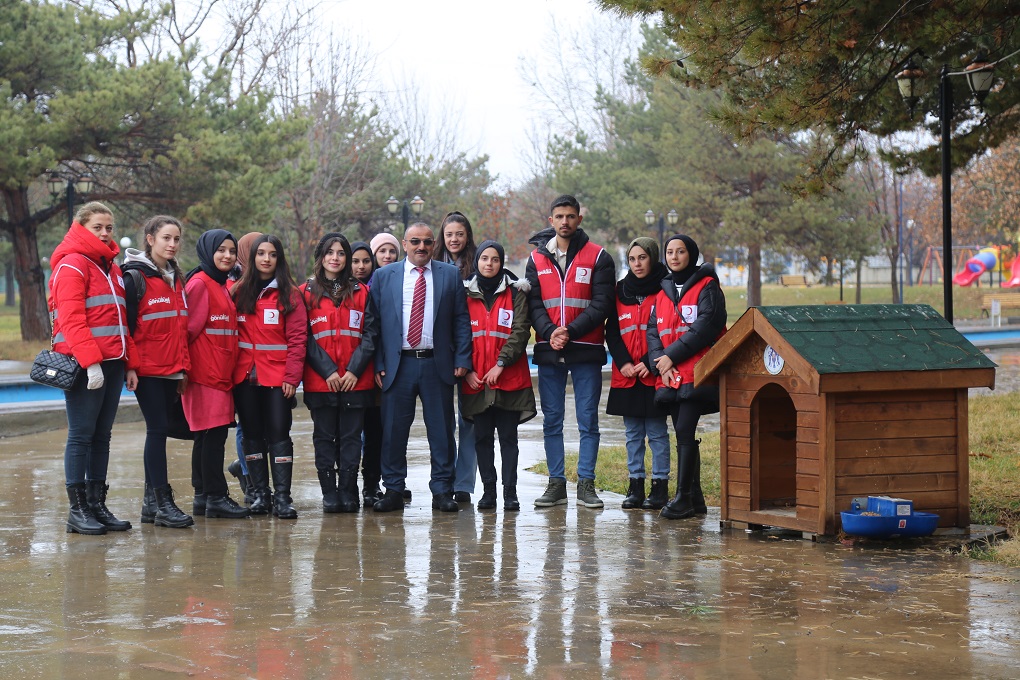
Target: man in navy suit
417, 315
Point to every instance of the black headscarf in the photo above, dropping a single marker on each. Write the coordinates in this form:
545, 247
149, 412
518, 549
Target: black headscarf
681, 276
488, 285
361, 245
632, 286
208, 243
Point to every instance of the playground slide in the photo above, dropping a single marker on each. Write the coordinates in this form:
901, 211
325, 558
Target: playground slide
986, 259
967, 277
1014, 278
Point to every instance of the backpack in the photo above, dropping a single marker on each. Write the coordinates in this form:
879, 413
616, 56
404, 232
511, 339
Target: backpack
138, 278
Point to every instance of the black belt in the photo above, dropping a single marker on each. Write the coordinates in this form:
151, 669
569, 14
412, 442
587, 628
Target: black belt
417, 353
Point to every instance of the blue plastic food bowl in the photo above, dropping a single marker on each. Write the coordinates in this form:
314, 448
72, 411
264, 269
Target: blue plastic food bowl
885, 526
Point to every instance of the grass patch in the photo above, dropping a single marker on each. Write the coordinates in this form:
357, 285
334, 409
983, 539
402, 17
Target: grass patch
12, 347
966, 301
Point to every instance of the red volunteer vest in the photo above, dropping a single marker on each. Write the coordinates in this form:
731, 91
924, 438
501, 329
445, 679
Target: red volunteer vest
337, 330
633, 331
161, 333
214, 352
262, 341
490, 330
673, 321
565, 298
105, 309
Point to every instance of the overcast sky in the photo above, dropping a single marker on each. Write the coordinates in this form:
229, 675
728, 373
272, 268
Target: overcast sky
466, 52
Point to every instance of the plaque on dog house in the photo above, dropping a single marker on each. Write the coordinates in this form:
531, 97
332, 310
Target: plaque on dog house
823, 404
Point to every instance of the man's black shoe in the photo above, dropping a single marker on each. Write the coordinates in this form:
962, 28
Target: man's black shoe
391, 500
406, 495
462, 496
444, 502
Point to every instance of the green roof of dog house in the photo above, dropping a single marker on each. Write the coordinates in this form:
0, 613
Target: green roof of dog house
869, 338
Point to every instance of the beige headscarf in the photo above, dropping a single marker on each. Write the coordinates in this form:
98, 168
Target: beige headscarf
244, 247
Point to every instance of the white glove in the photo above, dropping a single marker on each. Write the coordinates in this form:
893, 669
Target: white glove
95, 374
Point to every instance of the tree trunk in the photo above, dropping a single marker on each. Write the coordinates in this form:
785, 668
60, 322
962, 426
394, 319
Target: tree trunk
35, 319
860, 268
754, 275
893, 260
9, 284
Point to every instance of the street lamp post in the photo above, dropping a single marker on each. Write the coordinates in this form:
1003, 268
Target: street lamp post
414, 206
673, 218
72, 189
979, 77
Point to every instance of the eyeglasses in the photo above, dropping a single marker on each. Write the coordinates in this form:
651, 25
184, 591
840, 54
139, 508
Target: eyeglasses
429, 242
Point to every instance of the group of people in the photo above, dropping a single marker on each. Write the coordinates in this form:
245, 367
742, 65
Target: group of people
368, 335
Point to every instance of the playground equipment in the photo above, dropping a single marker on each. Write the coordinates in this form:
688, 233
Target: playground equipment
986, 260
1014, 277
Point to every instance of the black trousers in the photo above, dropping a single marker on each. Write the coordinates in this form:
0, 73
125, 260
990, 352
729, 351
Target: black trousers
336, 436
496, 420
265, 414
207, 455
155, 396
686, 415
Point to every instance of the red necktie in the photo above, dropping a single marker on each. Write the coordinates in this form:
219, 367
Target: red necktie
414, 326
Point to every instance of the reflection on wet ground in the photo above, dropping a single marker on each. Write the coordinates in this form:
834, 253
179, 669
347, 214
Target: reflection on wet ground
556, 593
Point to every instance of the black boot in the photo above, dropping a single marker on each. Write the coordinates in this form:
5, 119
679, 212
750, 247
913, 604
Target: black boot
681, 506
510, 501
347, 490
488, 499
258, 479
281, 459
371, 491
167, 512
697, 495
95, 492
659, 495
635, 493
330, 497
148, 506
238, 473
198, 504
225, 507
80, 519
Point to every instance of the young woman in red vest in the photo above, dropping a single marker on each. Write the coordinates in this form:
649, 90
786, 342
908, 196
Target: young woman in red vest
273, 328
208, 399
632, 386
497, 394
158, 319
456, 246
688, 318
338, 378
90, 323
363, 265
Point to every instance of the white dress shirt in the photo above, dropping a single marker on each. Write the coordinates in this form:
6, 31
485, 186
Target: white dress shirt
410, 277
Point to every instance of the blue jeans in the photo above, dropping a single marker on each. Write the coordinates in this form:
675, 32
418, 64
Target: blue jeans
655, 429
90, 416
552, 390
467, 459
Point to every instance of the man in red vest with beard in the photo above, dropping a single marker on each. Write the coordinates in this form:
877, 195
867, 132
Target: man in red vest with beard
572, 292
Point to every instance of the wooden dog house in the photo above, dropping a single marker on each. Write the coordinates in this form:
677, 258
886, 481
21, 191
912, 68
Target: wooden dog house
822, 404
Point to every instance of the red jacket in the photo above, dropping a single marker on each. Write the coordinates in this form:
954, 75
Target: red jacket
213, 348
337, 330
161, 329
272, 342
565, 298
87, 303
490, 330
633, 331
672, 321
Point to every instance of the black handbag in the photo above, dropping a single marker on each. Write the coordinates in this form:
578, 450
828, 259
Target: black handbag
55, 369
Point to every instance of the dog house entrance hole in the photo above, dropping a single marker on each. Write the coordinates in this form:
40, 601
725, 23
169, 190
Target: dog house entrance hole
774, 451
